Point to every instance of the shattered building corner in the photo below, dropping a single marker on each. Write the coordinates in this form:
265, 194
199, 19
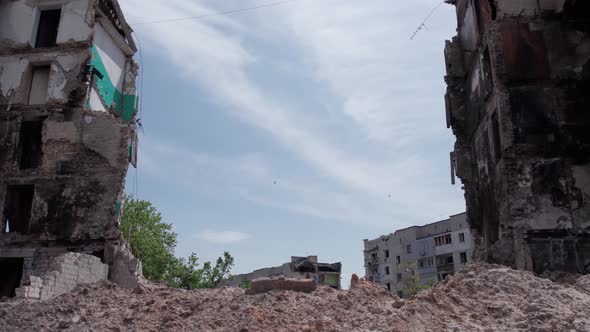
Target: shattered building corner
67, 133
518, 76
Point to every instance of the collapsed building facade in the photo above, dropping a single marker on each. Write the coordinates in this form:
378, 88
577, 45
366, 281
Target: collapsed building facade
518, 76
67, 134
299, 268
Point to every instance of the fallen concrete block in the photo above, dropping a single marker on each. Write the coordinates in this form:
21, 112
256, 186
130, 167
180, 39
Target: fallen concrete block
262, 285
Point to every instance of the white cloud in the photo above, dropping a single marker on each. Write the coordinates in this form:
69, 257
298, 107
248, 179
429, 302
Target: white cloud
222, 237
356, 49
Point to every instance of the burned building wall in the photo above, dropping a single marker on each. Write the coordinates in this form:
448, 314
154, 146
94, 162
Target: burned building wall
66, 123
517, 102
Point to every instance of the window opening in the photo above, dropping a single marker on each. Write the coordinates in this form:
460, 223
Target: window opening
398, 259
12, 271
387, 270
386, 253
29, 144
461, 237
409, 248
39, 85
17, 209
48, 26
388, 286
463, 257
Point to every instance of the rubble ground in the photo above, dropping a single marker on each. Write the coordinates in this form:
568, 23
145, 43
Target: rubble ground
481, 297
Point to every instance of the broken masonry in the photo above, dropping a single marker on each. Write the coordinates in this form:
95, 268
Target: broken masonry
518, 76
67, 134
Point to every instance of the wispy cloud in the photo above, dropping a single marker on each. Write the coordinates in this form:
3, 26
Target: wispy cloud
222, 237
350, 51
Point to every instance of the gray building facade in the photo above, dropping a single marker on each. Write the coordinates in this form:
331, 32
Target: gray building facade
432, 252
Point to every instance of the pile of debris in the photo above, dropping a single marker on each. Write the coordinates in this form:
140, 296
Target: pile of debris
479, 298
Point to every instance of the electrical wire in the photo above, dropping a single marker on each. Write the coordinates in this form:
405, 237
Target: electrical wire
215, 14
423, 24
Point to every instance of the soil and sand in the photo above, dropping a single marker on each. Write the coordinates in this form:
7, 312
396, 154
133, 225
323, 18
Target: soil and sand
479, 298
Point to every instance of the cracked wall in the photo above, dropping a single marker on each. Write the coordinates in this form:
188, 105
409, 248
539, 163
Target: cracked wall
518, 74
64, 160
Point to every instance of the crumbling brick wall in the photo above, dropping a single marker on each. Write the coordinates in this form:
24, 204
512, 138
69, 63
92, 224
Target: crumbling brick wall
46, 276
518, 75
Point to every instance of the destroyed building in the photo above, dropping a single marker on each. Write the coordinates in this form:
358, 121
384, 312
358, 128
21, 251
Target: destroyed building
67, 134
299, 268
430, 252
518, 76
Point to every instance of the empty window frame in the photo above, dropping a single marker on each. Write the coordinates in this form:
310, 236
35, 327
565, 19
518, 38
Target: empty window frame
398, 259
12, 271
444, 259
387, 270
18, 203
388, 285
399, 277
461, 237
409, 248
29, 144
463, 257
442, 240
39, 85
386, 253
425, 262
48, 27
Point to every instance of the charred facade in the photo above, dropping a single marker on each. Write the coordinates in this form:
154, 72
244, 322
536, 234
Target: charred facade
67, 129
518, 76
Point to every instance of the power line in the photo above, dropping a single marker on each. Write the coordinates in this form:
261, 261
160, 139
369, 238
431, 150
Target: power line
423, 24
215, 14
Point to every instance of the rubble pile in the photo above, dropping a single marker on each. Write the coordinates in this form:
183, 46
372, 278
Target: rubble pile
479, 298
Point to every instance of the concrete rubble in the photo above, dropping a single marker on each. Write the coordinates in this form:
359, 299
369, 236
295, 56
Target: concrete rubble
478, 298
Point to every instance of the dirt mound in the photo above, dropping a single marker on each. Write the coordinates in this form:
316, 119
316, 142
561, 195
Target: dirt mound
480, 298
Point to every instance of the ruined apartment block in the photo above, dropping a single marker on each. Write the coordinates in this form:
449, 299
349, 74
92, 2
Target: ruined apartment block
427, 253
518, 77
299, 268
67, 135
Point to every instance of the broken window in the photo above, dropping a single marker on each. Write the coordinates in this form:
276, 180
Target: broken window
442, 240
17, 209
463, 257
388, 285
496, 138
387, 270
398, 259
444, 259
461, 237
29, 144
48, 26
39, 85
409, 248
12, 270
386, 253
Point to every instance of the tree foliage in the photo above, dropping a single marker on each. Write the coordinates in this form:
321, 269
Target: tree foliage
154, 241
410, 280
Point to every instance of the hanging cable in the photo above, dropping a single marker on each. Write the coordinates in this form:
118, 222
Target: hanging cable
215, 14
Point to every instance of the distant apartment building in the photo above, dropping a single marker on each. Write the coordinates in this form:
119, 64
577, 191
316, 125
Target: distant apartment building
299, 268
432, 252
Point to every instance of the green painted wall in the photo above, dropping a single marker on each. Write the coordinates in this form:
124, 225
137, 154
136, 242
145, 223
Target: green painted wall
124, 105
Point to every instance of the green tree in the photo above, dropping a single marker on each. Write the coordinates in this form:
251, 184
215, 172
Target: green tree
153, 241
410, 281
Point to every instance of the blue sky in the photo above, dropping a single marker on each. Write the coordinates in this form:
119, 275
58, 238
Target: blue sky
297, 129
